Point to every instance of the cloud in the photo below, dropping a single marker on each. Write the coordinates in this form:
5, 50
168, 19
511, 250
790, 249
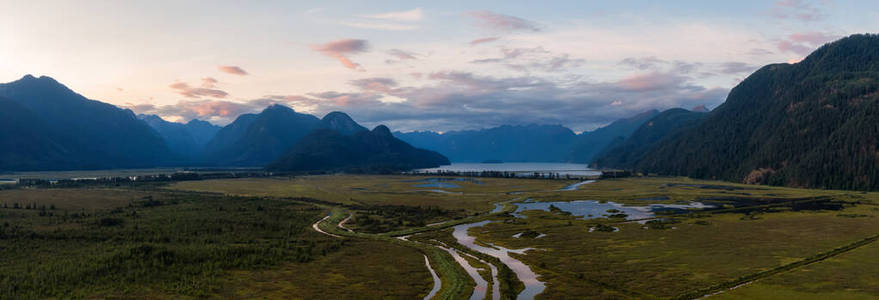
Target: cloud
483, 40
413, 15
813, 38
208, 82
759, 52
642, 63
402, 54
500, 22
380, 26
802, 10
804, 43
216, 111
393, 21
650, 81
232, 70
453, 100
735, 67
532, 59
651, 63
186, 90
341, 49
378, 84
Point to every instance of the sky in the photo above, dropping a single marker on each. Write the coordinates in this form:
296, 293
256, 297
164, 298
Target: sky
415, 65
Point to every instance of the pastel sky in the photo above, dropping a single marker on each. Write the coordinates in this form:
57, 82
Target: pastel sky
415, 65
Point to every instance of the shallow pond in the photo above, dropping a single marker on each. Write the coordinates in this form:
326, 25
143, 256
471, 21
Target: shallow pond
590, 209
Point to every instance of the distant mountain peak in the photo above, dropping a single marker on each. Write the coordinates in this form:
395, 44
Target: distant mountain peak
199, 122
700, 108
341, 122
337, 115
278, 108
382, 130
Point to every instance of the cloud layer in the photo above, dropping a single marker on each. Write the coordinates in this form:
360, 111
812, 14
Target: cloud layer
341, 49
501, 22
463, 100
235, 70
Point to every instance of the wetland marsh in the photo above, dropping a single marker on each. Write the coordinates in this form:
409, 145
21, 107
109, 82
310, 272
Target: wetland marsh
499, 238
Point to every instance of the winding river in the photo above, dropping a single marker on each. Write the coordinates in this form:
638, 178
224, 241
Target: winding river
533, 286
436, 280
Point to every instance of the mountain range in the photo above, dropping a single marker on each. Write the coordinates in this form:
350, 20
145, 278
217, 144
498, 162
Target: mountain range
187, 140
525, 143
814, 124
47, 126
624, 153
376, 151
60, 129
807, 124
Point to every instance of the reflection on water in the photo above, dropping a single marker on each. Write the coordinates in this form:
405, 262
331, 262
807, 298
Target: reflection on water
497, 208
576, 186
481, 284
591, 209
437, 283
523, 272
442, 185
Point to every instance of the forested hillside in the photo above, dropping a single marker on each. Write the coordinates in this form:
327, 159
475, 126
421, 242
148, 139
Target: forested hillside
812, 124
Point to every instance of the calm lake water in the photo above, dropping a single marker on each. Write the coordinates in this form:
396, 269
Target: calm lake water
560, 168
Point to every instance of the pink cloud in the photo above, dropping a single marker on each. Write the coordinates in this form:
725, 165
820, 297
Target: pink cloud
500, 22
483, 40
209, 82
220, 111
803, 43
802, 10
341, 49
232, 70
186, 90
814, 38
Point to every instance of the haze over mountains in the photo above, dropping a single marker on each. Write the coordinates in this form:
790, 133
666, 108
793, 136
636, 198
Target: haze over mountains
525, 143
46, 126
811, 124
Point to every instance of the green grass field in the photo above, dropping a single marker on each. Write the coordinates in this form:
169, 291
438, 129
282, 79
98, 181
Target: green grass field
252, 238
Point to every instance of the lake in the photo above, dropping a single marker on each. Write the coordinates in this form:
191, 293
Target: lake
523, 168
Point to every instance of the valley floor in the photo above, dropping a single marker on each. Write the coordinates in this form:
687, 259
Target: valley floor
253, 238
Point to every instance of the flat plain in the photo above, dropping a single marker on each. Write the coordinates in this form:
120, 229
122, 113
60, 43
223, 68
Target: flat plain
254, 238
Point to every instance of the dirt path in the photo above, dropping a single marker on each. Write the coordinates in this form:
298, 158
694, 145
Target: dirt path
317, 228
342, 224
731, 285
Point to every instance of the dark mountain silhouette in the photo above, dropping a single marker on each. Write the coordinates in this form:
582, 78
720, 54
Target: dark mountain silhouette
256, 140
342, 123
810, 124
529, 143
375, 151
185, 140
591, 143
26, 143
700, 108
625, 153
91, 134
202, 131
